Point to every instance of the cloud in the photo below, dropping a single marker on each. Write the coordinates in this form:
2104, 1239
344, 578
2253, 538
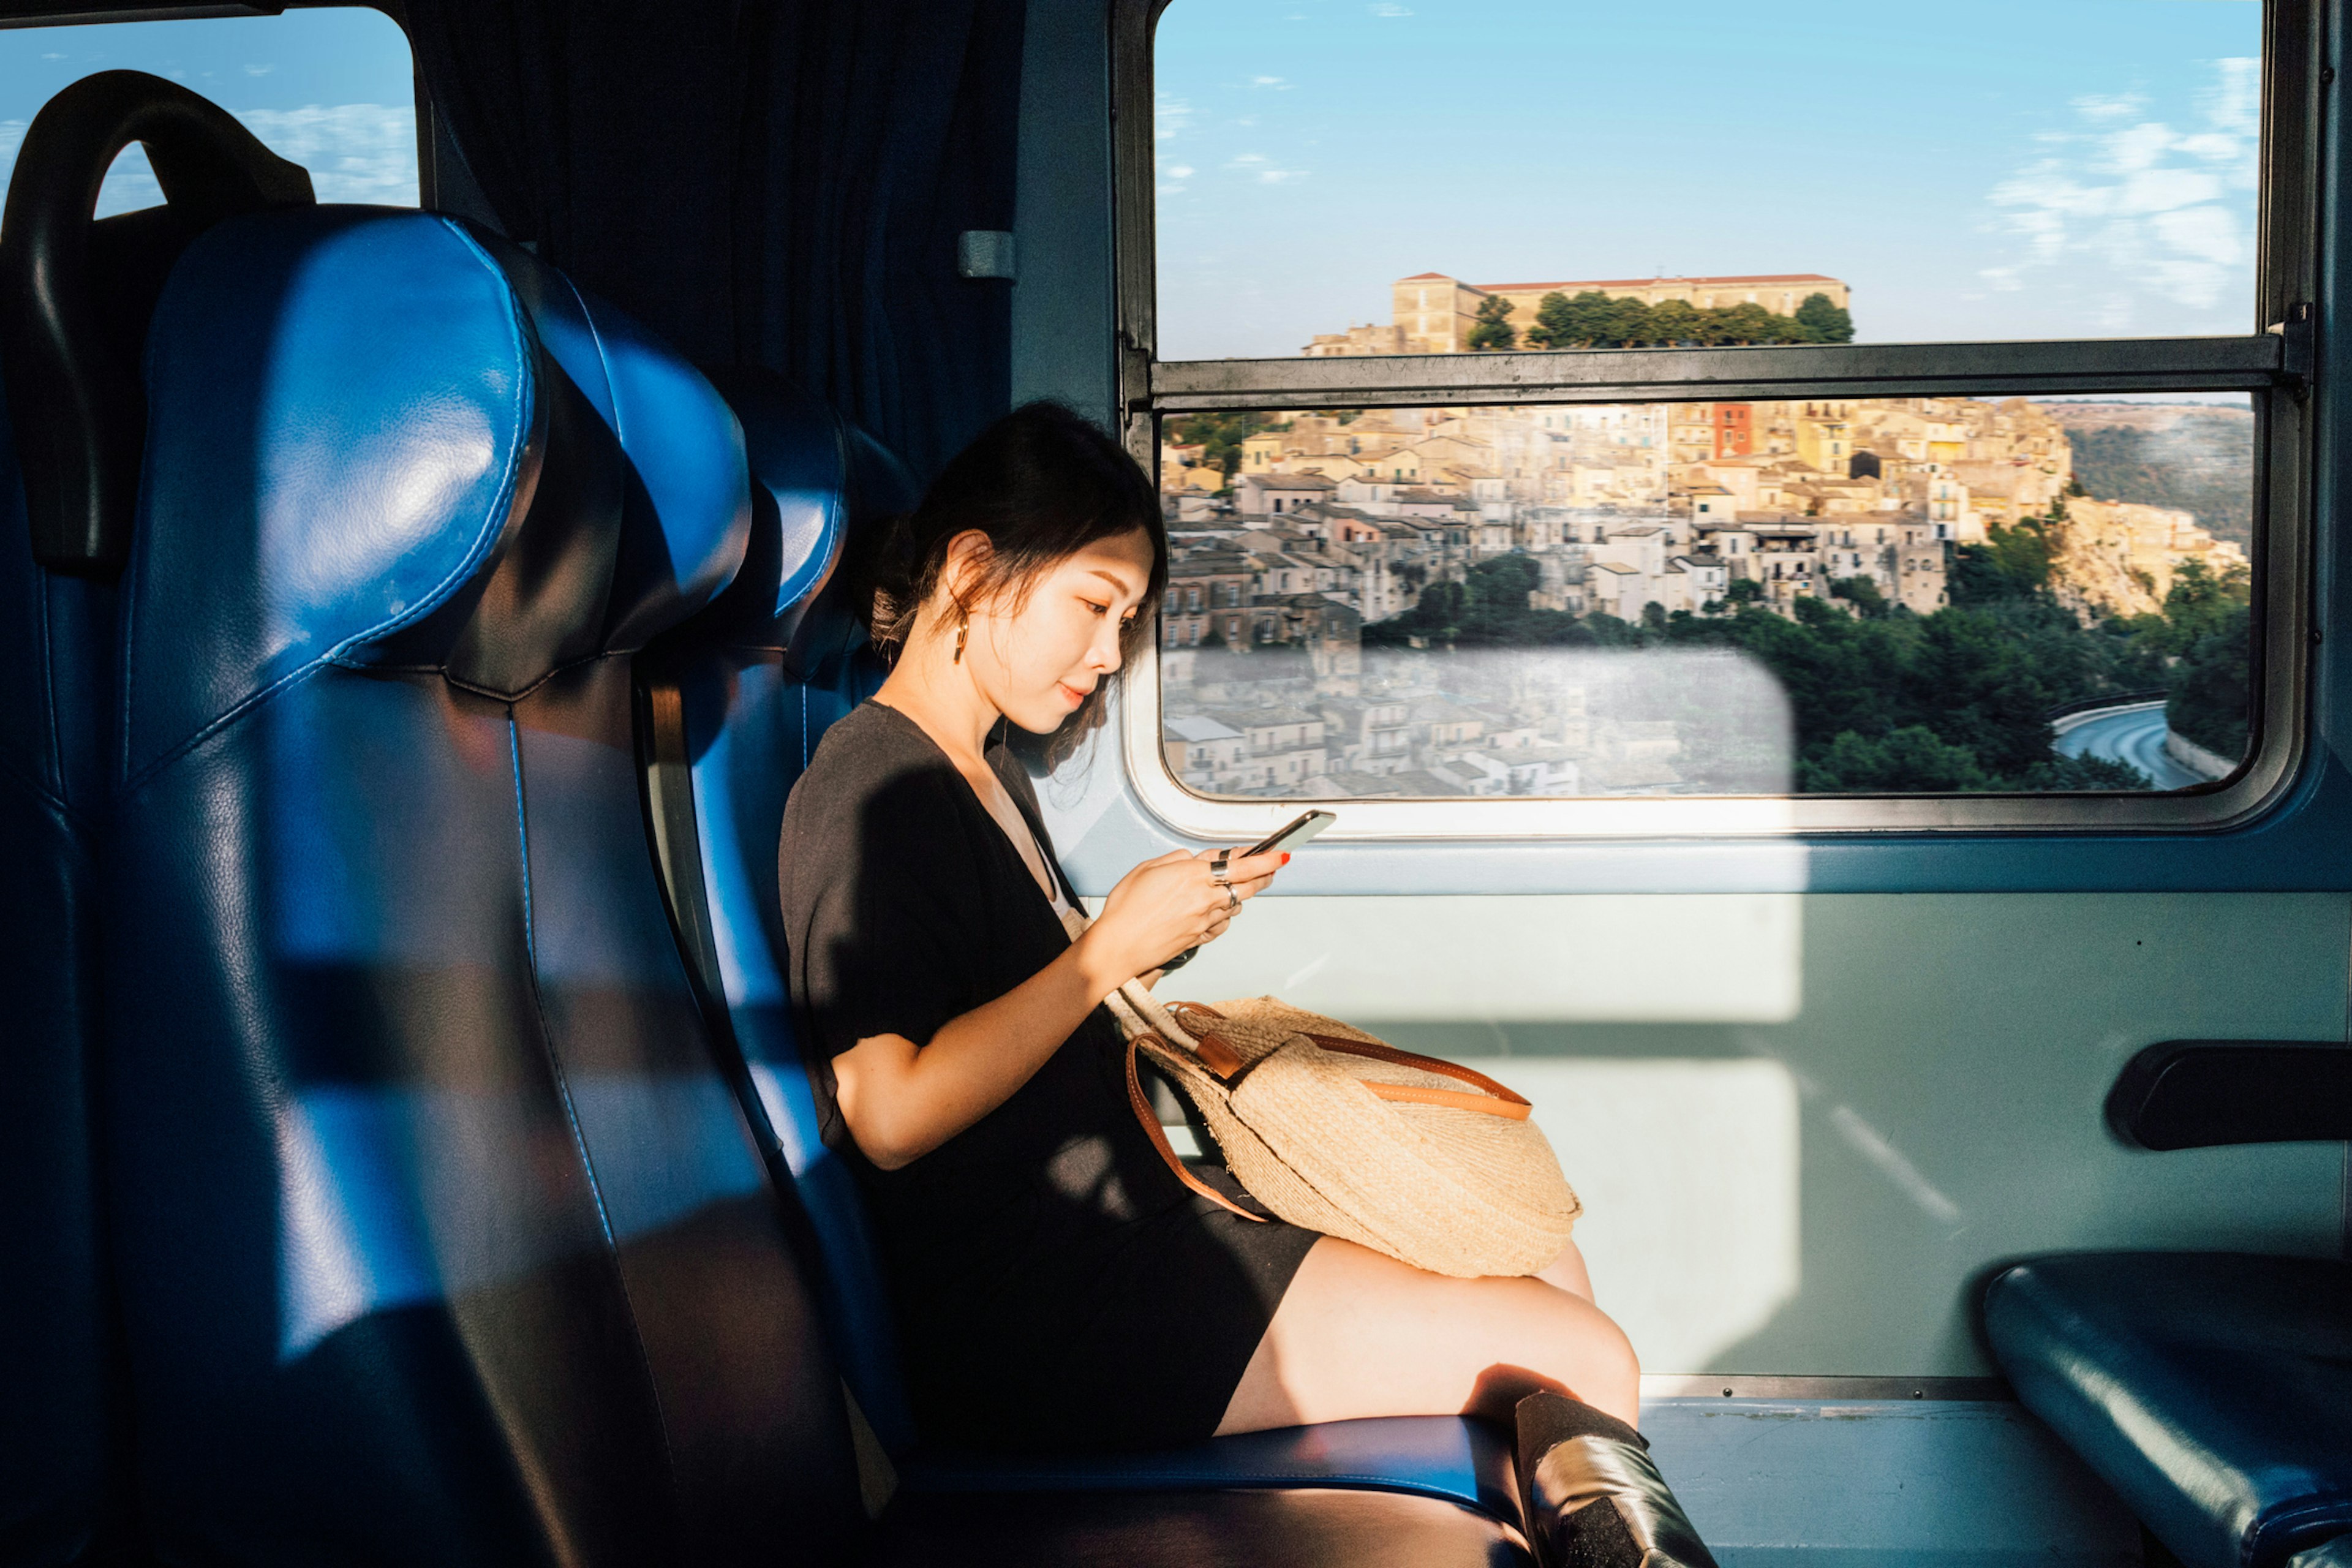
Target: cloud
355, 152
1275, 82
1171, 116
260, 70
1262, 168
2155, 216
1391, 8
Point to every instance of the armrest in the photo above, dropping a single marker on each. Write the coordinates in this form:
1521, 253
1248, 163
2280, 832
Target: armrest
2198, 1094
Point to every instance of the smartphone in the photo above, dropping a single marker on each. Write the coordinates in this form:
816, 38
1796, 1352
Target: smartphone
1293, 834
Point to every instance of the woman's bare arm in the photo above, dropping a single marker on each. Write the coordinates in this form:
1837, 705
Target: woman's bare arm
901, 1102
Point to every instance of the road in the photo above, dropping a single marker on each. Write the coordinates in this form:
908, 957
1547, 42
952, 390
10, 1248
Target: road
2133, 736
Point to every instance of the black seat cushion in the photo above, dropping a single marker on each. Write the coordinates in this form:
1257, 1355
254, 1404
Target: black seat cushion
1255, 1529
2212, 1390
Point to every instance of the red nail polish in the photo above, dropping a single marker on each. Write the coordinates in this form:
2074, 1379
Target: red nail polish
1285, 856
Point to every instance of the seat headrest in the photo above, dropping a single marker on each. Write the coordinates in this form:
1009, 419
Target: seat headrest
360, 451
688, 509
75, 294
819, 484
800, 483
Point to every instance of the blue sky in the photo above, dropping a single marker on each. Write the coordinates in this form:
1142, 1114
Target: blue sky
2009, 169
330, 90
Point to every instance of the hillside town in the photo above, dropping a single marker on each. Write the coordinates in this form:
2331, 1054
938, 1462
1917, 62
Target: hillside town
1329, 520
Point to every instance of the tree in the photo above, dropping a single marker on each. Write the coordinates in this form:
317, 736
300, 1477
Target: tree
2012, 563
1743, 590
1220, 436
1492, 330
1827, 323
1746, 323
1590, 315
1675, 321
2212, 686
1628, 324
1550, 329
1863, 595
1910, 760
2199, 603
2085, 773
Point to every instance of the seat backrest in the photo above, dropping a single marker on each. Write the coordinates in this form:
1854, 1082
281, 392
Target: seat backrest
442, 1239
56, 635
759, 678
75, 298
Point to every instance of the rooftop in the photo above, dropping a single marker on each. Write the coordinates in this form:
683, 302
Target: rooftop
1658, 281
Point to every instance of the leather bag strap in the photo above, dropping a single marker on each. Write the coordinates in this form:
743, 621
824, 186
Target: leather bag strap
1493, 1098
1141, 1103
1496, 1099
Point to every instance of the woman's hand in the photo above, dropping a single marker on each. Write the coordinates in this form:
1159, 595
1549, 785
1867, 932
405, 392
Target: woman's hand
1167, 905
901, 1103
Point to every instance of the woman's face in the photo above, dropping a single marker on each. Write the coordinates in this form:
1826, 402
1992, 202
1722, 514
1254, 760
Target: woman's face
1036, 657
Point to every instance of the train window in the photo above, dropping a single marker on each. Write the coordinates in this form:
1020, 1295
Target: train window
1833, 595
1818, 526
334, 89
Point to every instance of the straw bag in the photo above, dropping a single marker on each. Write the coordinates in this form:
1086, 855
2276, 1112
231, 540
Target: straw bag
1338, 1131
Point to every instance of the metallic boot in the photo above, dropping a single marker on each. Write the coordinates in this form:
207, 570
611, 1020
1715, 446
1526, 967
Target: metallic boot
1593, 1498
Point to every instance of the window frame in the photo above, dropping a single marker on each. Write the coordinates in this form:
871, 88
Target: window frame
2274, 366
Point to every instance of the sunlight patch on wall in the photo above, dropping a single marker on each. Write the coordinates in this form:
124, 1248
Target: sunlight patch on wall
1549, 959
1688, 1169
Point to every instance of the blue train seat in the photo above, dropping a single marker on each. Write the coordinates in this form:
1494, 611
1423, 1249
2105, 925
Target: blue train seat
55, 633
442, 1241
2212, 1390
780, 659
765, 673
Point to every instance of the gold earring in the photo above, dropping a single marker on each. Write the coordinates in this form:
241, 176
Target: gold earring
962, 632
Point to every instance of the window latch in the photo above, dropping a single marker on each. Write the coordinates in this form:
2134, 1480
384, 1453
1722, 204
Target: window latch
2296, 335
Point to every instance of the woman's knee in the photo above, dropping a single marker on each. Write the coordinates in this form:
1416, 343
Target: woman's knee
1361, 1334
1567, 1345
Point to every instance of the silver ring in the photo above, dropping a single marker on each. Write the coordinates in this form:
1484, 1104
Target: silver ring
1233, 901
1217, 869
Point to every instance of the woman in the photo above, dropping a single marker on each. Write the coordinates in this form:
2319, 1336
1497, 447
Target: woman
1056, 1285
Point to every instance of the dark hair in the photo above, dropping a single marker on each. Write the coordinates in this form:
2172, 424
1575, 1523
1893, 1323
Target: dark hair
1042, 483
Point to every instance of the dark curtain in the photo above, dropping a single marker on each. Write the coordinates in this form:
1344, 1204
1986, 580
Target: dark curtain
764, 182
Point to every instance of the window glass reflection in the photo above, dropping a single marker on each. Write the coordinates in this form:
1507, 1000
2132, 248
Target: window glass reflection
1841, 595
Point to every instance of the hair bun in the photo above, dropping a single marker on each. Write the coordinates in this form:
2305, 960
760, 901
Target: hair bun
891, 612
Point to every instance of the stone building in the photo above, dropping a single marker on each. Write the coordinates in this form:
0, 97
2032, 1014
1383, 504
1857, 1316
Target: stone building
1433, 313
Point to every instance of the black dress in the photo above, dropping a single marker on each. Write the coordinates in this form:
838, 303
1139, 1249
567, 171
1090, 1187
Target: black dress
1055, 1286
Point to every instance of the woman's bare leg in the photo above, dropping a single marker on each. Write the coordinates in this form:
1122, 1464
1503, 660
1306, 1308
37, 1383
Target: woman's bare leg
1568, 1272
1361, 1334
